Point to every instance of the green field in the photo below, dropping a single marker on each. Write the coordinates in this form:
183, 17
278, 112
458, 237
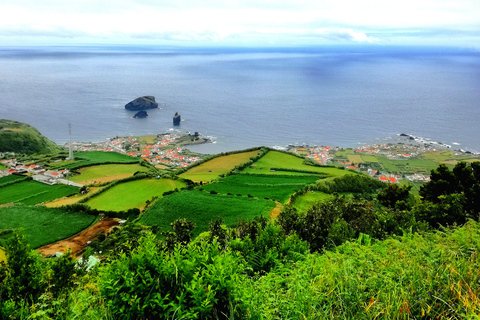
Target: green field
11, 179
274, 187
43, 225
33, 192
306, 201
210, 170
369, 158
2, 166
202, 207
132, 194
106, 172
275, 159
88, 158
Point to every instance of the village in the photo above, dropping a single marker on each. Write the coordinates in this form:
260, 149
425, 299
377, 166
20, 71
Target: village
169, 150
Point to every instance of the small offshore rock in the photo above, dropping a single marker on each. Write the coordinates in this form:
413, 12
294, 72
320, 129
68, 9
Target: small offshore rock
141, 114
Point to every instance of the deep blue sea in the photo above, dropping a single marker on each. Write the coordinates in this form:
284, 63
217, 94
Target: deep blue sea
247, 97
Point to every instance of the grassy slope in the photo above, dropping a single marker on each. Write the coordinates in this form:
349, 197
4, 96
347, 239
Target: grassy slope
276, 187
210, 170
202, 207
275, 159
22, 138
132, 194
106, 170
33, 192
434, 276
43, 225
306, 201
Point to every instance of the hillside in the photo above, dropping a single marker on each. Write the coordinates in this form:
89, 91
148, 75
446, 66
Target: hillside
20, 137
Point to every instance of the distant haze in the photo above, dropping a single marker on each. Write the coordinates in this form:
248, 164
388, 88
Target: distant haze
241, 23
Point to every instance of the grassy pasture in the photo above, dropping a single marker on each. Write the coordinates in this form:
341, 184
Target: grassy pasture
306, 201
106, 172
88, 158
275, 159
132, 194
369, 158
275, 187
33, 192
210, 170
202, 207
10, 179
355, 158
43, 225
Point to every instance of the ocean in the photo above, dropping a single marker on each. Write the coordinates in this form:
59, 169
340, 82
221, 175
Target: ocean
246, 97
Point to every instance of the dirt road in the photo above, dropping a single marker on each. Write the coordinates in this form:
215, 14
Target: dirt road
79, 241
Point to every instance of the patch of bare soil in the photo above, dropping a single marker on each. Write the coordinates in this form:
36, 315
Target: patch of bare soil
276, 211
79, 241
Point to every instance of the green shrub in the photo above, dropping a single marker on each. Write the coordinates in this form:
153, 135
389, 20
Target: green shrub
188, 283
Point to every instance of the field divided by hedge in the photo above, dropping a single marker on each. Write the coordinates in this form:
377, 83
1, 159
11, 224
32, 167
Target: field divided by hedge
211, 169
274, 187
43, 225
295, 165
106, 172
33, 192
132, 194
202, 207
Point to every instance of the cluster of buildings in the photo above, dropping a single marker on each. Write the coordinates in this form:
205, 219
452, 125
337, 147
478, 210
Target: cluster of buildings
37, 172
165, 151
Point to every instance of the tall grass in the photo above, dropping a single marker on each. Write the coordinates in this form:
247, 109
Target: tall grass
434, 276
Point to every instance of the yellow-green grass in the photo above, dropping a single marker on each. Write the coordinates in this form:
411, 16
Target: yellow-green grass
3, 258
305, 201
132, 194
148, 139
2, 166
275, 159
369, 158
106, 172
448, 157
355, 158
210, 170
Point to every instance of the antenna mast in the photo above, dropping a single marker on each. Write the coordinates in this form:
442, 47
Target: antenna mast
70, 151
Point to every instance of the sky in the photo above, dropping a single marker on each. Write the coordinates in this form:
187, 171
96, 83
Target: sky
453, 23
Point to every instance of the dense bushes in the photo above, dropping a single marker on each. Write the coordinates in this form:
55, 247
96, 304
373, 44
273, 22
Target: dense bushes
188, 283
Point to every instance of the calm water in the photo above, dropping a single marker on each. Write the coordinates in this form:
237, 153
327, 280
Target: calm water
246, 98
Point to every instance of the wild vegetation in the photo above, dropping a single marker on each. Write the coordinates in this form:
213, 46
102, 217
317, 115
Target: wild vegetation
23, 139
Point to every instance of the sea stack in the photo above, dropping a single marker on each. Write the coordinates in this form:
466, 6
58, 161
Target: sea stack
176, 119
142, 103
141, 114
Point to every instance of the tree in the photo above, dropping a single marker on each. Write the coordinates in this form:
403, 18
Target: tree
182, 233
464, 181
393, 193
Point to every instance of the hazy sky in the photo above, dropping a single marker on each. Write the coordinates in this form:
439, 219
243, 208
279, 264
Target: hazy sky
241, 22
